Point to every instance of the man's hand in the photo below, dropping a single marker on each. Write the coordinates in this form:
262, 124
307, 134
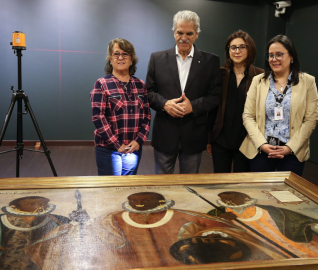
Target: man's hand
209, 149
134, 146
174, 109
186, 104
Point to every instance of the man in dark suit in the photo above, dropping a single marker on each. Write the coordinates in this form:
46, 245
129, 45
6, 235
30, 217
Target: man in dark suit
183, 86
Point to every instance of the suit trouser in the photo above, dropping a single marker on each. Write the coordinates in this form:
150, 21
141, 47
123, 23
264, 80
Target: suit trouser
165, 163
223, 159
261, 163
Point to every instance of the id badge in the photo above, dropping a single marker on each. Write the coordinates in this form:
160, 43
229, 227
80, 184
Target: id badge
273, 141
278, 113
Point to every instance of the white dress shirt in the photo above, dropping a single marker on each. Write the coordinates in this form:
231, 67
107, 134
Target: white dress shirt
184, 67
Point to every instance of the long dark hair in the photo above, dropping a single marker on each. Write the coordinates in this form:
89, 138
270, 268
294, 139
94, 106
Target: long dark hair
294, 66
251, 48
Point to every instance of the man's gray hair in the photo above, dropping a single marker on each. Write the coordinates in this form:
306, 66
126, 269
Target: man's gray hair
187, 15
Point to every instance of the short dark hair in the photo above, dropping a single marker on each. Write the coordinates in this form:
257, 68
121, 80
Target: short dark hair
294, 66
236, 193
126, 46
251, 48
155, 194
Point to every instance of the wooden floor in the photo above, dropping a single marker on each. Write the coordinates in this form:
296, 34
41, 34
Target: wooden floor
80, 161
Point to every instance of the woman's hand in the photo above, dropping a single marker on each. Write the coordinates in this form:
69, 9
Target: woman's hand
209, 149
267, 148
134, 146
122, 148
275, 151
280, 152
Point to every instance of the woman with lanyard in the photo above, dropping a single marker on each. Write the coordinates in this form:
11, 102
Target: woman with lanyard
280, 112
228, 131
121, 112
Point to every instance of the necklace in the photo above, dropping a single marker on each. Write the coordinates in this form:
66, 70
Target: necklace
282, 86
238, 73
125, 85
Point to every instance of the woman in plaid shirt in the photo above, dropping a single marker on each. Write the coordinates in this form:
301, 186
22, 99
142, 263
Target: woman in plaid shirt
121, 112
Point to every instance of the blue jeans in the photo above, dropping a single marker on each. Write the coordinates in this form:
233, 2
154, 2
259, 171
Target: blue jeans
111, 162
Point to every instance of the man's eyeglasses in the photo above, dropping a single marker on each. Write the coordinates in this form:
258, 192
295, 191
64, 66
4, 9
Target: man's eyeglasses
242, 48
279, 56
189, 34
116, 55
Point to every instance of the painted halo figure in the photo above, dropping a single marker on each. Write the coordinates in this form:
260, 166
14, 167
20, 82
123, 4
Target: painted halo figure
280, 112
282, 226
228, 132
26, 220
121, 112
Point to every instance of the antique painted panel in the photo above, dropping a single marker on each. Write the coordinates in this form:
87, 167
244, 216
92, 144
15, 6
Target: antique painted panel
150, 226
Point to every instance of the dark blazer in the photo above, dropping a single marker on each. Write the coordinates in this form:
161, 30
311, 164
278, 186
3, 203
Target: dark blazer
203, 89
218, 123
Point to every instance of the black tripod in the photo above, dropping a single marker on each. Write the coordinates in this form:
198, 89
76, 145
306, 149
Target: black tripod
18, 96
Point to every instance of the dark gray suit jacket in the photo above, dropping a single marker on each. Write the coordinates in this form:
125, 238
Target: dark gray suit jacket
203, 88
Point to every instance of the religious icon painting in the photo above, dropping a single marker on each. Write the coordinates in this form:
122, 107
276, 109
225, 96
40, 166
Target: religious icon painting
142, 226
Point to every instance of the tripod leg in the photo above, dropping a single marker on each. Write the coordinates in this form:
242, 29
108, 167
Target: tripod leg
46, 151
6, 121
20, 144
17, 167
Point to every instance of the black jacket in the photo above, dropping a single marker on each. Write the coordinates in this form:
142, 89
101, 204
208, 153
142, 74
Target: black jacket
202, 89
217, 122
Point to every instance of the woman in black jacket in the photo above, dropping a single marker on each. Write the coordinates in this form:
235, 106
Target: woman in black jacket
228, 132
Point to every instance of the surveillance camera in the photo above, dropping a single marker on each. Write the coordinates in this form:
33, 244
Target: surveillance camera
282, 4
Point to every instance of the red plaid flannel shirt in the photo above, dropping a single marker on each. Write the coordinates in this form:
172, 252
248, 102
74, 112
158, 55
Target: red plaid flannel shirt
120, 117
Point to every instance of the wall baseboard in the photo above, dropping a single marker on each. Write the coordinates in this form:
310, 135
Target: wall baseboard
57, 143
